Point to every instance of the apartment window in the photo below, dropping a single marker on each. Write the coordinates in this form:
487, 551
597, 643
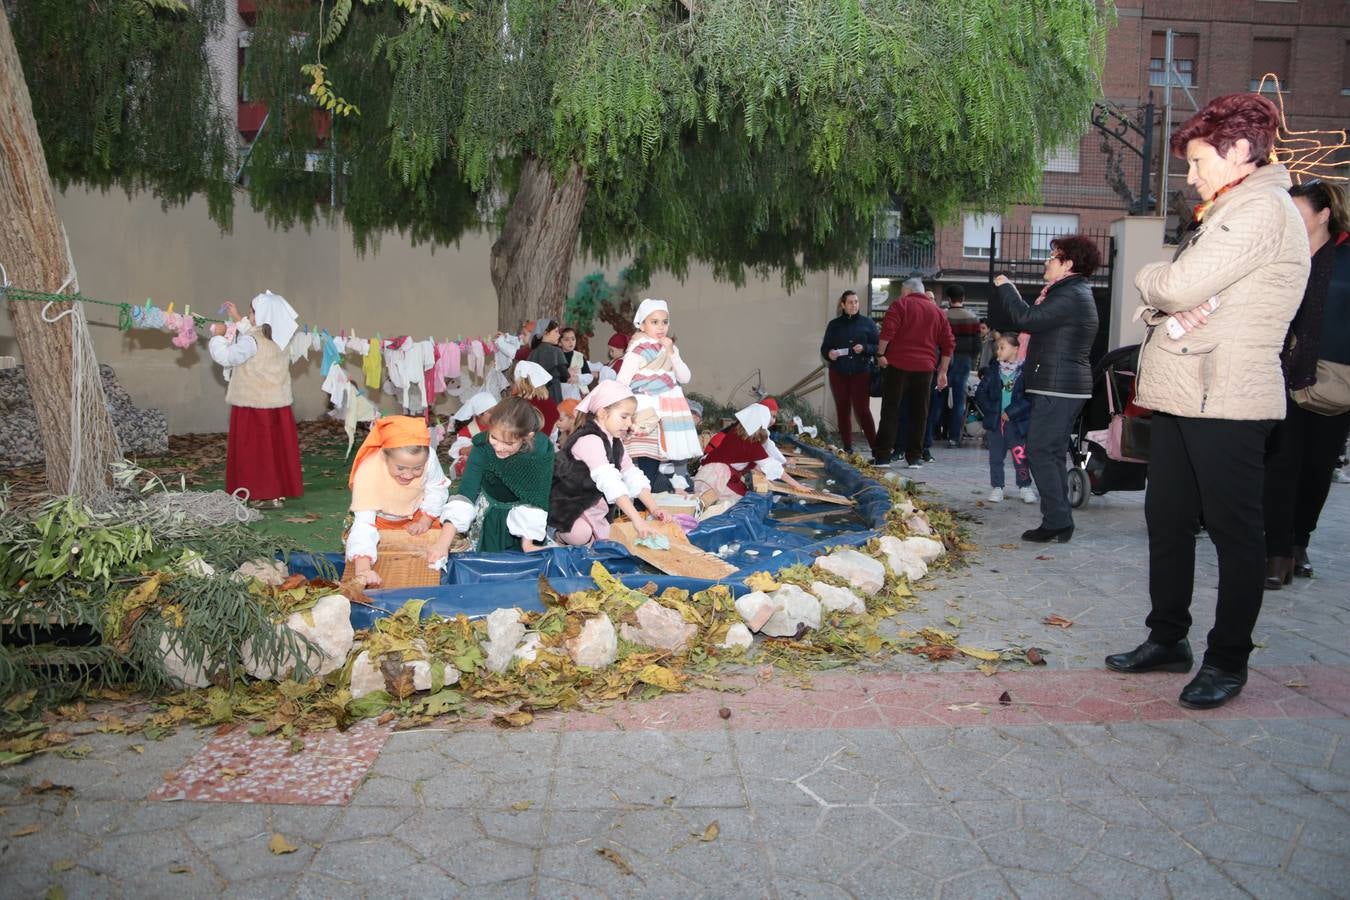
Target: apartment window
1270, 56
1045, 227
1064, 159
976, 226
1185, 51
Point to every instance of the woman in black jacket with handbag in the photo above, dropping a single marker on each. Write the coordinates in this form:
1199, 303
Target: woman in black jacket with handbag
1303, 450
850, 343
1058, 332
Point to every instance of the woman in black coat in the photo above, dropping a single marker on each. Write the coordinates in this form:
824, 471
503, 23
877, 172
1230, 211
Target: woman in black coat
1303, 450
546, 352
1059, 329
849, 344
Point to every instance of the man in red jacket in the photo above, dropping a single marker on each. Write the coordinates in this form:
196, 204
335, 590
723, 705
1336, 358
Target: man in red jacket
912, 333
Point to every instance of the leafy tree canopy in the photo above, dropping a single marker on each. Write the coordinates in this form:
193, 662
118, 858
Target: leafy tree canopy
746, 134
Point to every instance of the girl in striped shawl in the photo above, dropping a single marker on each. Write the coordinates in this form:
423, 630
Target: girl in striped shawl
663, 428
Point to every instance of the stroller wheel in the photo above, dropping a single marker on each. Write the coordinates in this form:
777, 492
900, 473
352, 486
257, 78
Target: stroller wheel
1079, 488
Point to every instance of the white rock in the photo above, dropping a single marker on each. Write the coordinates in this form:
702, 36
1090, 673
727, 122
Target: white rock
918, 523
528, 648
756, 608
504, 633
926, 549
797, 608
331, 634
179, 669
367, 677
833, 598
268, 571
597, 644
904, 509
738, 636
859, 569
659, 627
903, 560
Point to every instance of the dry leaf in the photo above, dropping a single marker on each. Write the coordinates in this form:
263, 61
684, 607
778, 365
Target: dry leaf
27, 830
1008, 546
279, 845
55, 892
661, 677
1057, 620
614, 857
762, 581
293, 582
710, 833
988, 668
180, 870
724, 712
1035, 657
968, 548
978, 653
518, 718
522, 805
398, 678
301, 520
63, 865
1044, 556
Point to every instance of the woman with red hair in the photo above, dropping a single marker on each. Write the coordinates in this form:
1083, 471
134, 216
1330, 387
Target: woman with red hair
1209, 367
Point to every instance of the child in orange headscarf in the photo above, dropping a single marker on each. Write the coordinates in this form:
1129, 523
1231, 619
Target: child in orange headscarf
396, 483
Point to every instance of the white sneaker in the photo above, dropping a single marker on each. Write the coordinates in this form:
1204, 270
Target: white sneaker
1340, 477
996, 495
914, 465
1029, 495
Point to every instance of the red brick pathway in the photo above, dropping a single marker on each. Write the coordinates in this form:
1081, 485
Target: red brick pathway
237, 768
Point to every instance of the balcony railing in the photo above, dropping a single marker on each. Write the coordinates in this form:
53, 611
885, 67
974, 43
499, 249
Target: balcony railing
901, 257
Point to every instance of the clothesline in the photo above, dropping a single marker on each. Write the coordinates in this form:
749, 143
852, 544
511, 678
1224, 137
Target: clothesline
415, 373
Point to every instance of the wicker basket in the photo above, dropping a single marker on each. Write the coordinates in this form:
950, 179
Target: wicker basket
403, 559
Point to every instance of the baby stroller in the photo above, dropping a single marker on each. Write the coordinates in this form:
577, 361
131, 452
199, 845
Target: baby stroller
1109, 447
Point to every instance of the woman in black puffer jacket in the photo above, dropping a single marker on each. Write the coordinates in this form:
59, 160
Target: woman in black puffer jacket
1058, 332
849, 344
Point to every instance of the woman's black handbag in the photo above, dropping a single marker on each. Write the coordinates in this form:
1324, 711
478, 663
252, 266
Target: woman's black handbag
874, 378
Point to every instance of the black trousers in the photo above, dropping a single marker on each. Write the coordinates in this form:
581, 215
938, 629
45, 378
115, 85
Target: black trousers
912, 390
1214, 467
1048, 436
1301, 456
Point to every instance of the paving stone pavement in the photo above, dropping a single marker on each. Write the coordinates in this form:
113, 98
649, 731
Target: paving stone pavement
909, 780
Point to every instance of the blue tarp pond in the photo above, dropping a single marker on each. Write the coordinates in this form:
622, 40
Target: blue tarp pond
749, 536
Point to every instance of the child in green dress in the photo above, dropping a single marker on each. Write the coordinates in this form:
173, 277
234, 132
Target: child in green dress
506, 481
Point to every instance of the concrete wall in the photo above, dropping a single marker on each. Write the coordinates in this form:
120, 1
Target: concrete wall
132, 249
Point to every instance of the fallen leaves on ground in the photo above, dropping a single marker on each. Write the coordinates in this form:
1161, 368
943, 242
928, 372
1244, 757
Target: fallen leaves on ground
280, 846
710, 833
1057, 620
26, 830
978, 653
522, 805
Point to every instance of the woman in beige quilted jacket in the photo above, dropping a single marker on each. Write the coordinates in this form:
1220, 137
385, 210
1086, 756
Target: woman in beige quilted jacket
1209, 367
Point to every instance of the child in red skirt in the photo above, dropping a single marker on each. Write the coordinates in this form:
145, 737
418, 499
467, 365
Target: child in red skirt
263, 452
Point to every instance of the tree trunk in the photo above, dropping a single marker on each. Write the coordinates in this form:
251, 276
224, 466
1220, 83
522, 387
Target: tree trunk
36, 255
532, 259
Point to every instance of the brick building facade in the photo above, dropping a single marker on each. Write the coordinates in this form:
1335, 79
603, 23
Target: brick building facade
1219, 47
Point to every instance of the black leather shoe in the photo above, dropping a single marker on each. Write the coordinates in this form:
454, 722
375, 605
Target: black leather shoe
1279, 572
1151, 657
1212, 687
1043, 535
1302, 567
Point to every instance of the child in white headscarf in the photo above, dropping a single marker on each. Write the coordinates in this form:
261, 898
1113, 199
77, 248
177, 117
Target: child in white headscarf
263, 450
663, 428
